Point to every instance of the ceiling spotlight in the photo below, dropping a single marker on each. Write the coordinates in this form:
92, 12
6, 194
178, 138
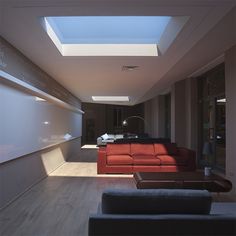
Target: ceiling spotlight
129, 68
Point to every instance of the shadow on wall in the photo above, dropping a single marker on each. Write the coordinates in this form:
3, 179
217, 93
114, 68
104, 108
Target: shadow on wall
18, 175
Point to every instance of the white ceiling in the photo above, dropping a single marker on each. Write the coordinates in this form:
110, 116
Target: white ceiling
209, 31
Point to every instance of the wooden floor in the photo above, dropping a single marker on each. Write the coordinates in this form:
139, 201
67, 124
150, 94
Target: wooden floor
60, 204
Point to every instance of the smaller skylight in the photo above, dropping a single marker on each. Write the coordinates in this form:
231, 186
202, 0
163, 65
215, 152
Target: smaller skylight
106, 35
110, 98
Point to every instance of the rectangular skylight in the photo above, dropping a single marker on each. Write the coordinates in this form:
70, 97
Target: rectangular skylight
106, 35
109, 29
110, 98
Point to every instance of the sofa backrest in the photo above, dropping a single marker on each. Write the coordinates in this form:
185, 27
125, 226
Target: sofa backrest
165, 149
156, 201
164, 225
142, 140
118, 149
137, 149
159, 212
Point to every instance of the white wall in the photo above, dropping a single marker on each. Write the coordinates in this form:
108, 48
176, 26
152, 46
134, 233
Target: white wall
25, 158
151, 117
191, 102
230, 80
178, 113
18, 175
28, 125
184, 113
155, 116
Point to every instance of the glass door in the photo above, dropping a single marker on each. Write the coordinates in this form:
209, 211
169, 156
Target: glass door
220, 104
212, 104
213, 130
207, 130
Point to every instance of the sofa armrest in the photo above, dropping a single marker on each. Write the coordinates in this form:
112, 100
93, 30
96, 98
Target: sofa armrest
102, 160
99, 141
156, 201
190, 155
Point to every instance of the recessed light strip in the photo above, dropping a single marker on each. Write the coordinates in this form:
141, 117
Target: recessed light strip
110, 98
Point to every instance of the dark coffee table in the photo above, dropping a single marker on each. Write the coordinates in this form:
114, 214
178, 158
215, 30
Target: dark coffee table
185, 180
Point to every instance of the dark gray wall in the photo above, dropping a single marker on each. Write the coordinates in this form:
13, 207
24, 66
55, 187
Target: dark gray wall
102, 118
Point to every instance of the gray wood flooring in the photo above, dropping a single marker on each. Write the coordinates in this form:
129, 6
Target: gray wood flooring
60, 204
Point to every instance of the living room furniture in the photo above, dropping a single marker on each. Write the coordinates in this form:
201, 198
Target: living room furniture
129, 138
183, 180
159, 212
136, 157
141, 139
108, 138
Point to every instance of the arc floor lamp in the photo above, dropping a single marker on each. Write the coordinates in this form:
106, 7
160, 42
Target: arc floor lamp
125, 121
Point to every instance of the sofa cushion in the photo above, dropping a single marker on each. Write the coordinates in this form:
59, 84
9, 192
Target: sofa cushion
119, 136
156, 201
105, 136
119, 160
139, 149
146, 160
118, 149
165, 149
173, 160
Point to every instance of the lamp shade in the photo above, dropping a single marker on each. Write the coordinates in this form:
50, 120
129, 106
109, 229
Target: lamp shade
207, 148
124, 123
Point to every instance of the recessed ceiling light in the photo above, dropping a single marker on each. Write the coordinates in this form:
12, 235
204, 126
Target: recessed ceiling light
38, 99
110, 98
129, 68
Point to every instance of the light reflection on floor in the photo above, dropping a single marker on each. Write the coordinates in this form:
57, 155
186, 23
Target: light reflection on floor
89, 146
82, 169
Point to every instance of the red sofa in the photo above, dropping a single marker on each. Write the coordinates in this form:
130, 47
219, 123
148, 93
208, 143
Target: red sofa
135, 157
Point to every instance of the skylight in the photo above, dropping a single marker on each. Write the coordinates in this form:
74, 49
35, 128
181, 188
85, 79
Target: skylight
109, 29
106, 35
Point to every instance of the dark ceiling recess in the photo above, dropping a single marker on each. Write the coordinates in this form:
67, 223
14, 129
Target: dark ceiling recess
129, 68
